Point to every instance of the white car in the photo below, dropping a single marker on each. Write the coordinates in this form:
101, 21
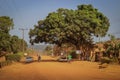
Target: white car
29, 59
62, 59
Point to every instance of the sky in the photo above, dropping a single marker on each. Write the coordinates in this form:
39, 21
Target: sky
26, 13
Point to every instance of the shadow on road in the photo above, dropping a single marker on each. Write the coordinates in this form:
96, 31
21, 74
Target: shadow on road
50, 60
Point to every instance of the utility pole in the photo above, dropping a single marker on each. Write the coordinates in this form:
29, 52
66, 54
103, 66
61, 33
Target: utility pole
22, 29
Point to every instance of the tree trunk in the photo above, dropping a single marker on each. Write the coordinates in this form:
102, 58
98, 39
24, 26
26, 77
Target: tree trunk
78, 51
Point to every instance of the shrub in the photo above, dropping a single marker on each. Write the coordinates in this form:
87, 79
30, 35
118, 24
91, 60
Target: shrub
21, 54
114, 60
105, 60
13, 57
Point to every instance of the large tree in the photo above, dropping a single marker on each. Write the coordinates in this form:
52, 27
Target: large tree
15, 47
6, 23
71, 26
9, 43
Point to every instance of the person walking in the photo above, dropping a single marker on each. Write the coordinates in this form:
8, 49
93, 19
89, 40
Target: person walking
39, 58
69, 58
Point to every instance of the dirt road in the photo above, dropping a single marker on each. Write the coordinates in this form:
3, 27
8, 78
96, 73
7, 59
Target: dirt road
50, 70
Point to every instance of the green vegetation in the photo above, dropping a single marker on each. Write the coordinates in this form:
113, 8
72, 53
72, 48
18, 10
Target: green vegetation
15, 47
9, 43
13, 57
77, 27
105, 60
48, 50
112, 48
5, 25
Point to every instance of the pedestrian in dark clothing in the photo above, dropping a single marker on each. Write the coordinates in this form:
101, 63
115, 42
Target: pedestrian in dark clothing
39, 58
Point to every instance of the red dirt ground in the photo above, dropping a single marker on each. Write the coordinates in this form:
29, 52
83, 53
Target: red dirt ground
50, 70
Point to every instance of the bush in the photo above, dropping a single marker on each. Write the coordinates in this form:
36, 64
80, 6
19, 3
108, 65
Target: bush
21, 54
13, 57
114, 60
105, 60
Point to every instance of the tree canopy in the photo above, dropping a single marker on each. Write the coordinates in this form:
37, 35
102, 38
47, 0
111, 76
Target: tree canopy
6, 23
9, 43
15, 47
71, 26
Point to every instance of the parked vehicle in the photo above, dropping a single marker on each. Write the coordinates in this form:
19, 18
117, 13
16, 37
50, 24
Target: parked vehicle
62, 59
29, 59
